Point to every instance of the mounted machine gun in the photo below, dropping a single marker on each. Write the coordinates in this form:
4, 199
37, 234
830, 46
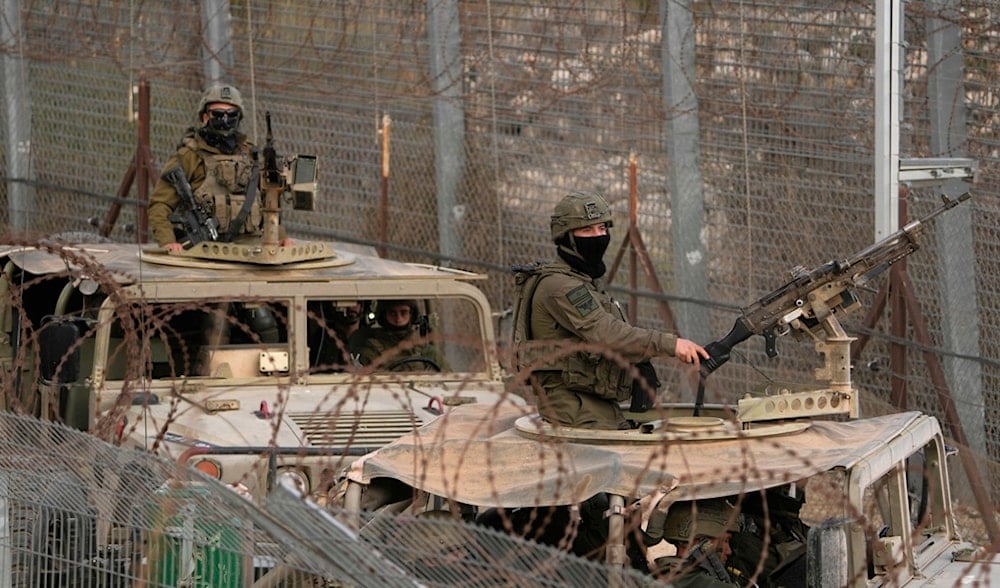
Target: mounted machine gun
809, 307
293, 174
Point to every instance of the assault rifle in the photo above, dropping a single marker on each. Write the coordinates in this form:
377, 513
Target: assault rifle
198, 224
810, 301
703, 555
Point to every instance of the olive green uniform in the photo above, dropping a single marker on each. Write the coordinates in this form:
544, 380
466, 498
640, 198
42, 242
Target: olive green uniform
218, 182
684, 573
370, 343
580, 387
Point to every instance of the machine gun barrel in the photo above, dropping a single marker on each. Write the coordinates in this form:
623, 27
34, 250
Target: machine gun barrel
799, 299
272, 175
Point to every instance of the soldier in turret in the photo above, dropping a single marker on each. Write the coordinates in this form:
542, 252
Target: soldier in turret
217, 161
564, 304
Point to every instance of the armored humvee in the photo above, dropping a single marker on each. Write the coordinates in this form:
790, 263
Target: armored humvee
881, 484
877, 508
234, 354
236, 367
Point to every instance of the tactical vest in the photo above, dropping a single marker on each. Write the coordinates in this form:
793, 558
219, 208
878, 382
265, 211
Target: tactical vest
224, 190
582, 371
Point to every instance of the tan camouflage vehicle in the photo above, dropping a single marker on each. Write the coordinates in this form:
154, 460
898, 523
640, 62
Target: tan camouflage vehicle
233, 365
823, 497
235, 355
871, 495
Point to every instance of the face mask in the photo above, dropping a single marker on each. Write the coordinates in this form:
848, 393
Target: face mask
225, 142
585, 254
592, 249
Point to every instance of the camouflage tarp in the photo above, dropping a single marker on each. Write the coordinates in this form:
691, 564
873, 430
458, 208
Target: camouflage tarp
476, 455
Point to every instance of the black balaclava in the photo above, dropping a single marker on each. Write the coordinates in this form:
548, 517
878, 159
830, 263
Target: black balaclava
224, 143
584, 254
222, 133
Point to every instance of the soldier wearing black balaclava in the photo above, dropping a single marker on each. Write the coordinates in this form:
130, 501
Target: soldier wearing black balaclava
570, 336
217, 160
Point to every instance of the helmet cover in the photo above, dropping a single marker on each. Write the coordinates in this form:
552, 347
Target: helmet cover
578, 210
220, 93
704, 518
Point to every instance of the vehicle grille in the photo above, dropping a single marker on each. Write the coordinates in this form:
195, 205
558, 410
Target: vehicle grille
371, 429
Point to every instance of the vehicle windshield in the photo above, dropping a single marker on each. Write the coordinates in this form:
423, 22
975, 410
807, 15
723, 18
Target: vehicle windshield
249, 338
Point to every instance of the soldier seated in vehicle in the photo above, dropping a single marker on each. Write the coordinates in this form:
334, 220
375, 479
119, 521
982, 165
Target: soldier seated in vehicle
394, 342
700, 532
330, 326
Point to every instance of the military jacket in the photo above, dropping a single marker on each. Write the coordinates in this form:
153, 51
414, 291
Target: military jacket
219, 182
370, 343
569, 308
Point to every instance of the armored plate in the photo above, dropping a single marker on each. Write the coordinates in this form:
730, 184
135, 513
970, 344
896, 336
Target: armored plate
309, 255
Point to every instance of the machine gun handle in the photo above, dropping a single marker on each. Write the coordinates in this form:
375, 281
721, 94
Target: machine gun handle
718, 351
770, 340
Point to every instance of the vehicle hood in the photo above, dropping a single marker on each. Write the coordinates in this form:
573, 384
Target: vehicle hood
475, 455
354, 419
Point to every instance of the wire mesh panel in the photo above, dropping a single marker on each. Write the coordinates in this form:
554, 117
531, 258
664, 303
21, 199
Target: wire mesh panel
79, 512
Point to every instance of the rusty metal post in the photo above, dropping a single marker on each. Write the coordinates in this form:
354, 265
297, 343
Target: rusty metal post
633, 227
633, 240
897, 302
141, 169
383, 207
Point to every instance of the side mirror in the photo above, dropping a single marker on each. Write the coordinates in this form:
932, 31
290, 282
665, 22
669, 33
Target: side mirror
826, 554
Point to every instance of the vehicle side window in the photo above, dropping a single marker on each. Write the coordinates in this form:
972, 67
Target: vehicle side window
181, 339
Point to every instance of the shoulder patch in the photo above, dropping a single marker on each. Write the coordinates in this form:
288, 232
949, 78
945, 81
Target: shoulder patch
581, 299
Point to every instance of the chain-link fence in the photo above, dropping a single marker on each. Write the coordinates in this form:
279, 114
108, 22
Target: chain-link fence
550, 97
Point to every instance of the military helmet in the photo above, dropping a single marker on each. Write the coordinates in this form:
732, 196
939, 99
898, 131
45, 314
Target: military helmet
709, 518
220, 93
383, 306
578, 210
